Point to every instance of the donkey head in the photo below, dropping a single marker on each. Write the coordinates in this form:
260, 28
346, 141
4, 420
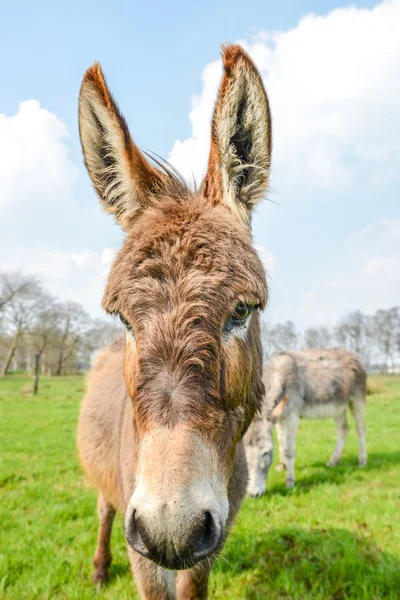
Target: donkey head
259, 444
188, 285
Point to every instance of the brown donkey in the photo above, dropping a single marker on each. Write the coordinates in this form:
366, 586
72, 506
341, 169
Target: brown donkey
161, 427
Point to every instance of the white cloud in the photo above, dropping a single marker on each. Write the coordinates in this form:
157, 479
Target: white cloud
34, 160
42, 223
268, 259
333, 83
107, 256
367, 279
383, 266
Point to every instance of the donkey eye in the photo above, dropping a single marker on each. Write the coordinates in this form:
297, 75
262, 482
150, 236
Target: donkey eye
242, 311
238, 317
125, 322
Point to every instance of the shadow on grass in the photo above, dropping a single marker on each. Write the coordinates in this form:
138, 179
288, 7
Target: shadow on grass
119, 569
345, 471
376, 460
323, 563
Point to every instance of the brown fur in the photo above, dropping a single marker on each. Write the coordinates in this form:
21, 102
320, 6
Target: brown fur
181, 390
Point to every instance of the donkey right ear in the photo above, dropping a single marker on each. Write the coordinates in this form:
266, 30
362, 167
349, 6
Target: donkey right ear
277, 411
121, 175
240, 154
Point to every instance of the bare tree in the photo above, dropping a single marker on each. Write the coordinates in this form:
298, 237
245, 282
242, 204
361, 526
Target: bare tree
72, 327
11, 285
19, 312
284, 336
354, 333
317, 337
386, 332
100, 333
44, 327
266, 338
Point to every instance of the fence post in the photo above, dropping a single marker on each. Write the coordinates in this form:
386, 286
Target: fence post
36, 375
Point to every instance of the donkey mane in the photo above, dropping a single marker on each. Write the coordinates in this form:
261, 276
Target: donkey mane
175, 184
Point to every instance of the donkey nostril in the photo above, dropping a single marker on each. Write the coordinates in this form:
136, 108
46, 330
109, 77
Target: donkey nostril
137, 536
206, 538
208, 530
144, 538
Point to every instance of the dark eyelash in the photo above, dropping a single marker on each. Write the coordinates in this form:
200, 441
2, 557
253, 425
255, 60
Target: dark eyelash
124, 321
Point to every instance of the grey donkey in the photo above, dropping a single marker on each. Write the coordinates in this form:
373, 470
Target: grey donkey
309, 384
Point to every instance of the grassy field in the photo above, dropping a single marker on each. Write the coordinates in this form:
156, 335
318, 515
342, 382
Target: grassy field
336, 535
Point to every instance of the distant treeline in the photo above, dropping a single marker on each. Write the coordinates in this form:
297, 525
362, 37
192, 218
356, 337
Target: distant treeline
374, 338
32, 322
64, 337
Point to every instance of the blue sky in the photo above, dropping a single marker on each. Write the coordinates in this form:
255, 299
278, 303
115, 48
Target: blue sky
152, 52
330, 236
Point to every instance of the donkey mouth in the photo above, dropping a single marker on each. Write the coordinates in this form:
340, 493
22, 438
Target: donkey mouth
205, 539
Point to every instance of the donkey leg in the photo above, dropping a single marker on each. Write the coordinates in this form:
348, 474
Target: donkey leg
193, 584
153, 582
280, 434
102, 556
290, 426
342, 430
357, 407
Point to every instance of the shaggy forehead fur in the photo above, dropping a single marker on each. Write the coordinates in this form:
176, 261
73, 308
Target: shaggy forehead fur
183, 249
184, 266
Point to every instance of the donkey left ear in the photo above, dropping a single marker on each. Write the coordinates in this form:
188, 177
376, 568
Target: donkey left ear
121, 175
240, 154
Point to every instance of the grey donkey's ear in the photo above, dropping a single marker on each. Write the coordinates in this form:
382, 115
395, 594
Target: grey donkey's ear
124, 180
240, 154
277, 411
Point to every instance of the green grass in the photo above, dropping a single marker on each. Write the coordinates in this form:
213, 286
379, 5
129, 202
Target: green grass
336, 535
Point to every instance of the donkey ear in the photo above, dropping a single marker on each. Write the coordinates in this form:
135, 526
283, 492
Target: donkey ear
121, 175
240, 155
277, 411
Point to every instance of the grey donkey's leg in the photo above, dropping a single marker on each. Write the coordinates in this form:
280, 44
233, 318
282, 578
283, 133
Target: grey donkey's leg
357, 407
342, 430
102, 557
280, 434
289, 431
153, 582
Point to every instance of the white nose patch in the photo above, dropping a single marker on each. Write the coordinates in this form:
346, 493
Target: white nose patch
173, 491
259, 462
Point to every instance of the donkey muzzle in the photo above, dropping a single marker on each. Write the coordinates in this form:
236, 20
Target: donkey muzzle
191, 543
177, 513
